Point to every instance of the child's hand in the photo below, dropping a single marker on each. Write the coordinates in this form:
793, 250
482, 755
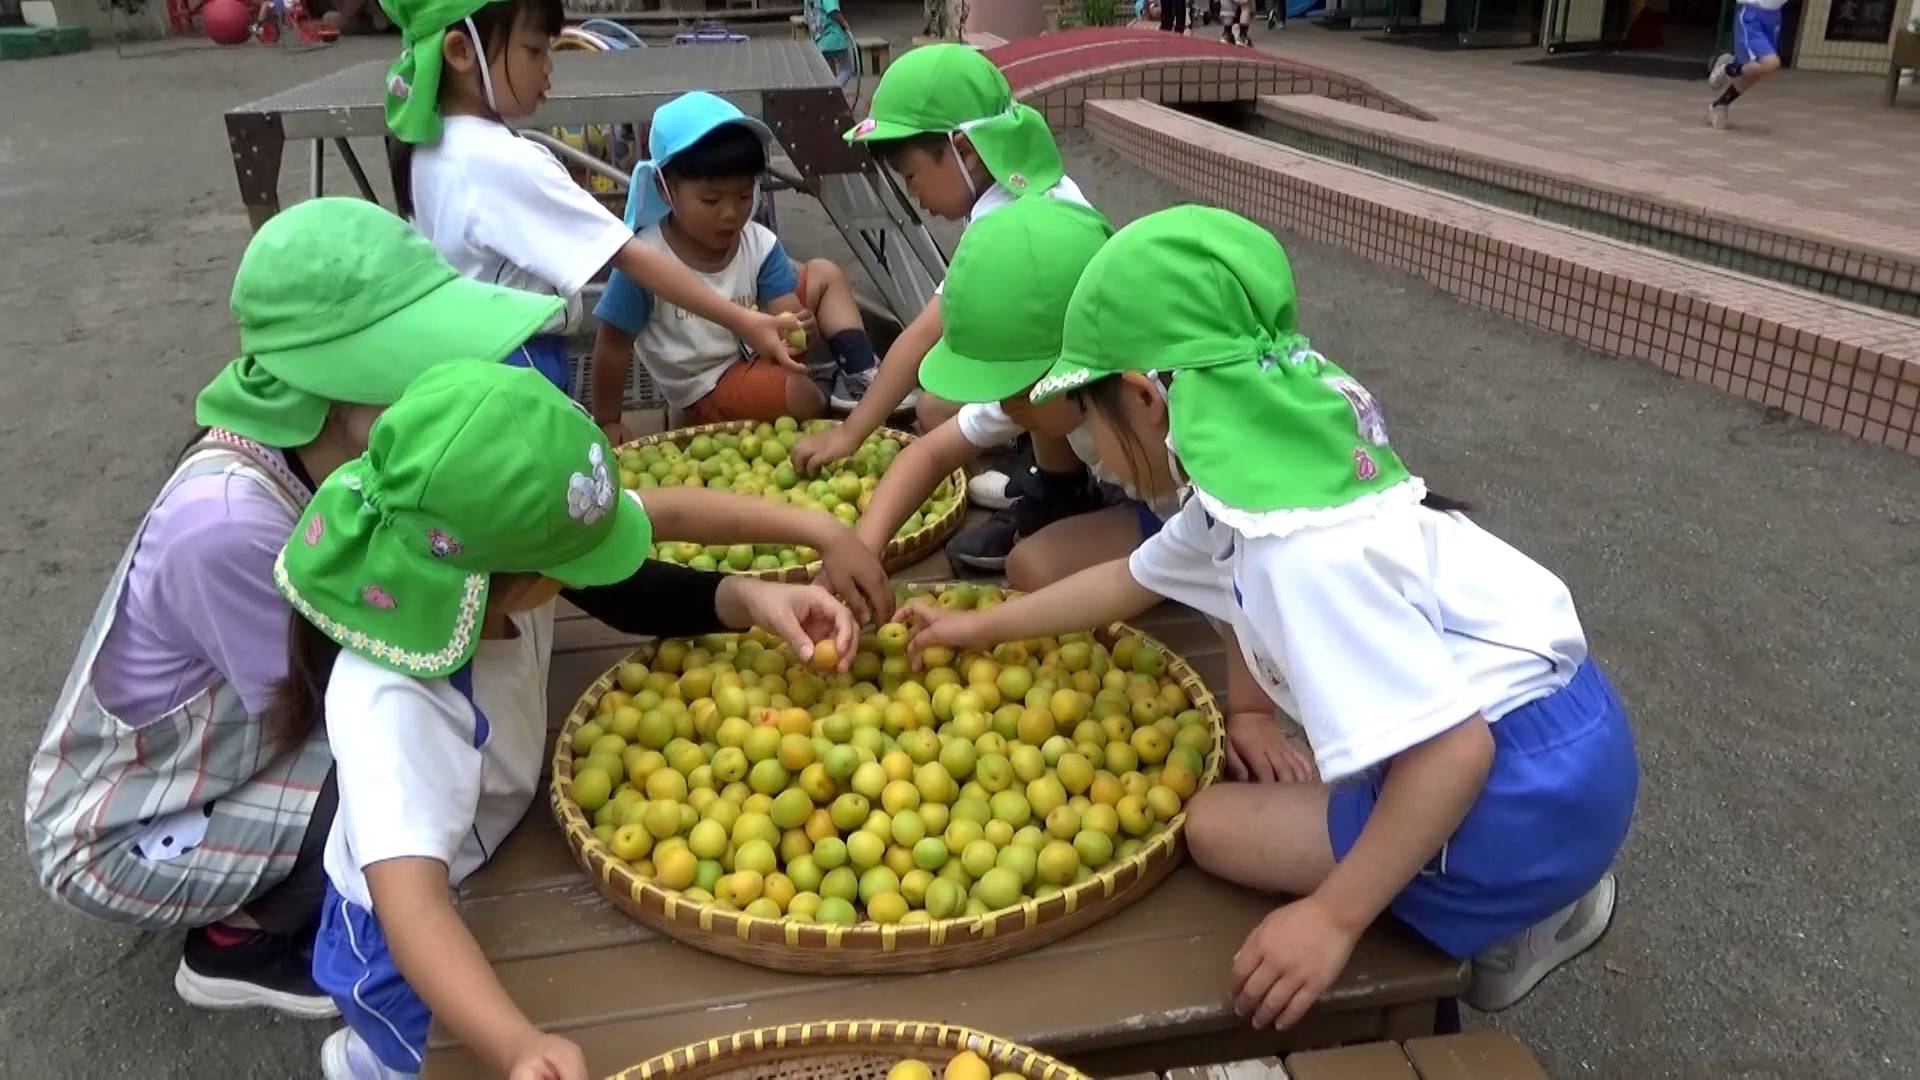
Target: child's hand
853, 572
933, 625
1259, 751
549, 1057
800, 615
767, 335
819, 449
616, 432
1288, 961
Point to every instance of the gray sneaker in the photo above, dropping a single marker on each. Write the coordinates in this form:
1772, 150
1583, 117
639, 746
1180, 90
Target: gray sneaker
1509, 971
1717, 78
1717, 116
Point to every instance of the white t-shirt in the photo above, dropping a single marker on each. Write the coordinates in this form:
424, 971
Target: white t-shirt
686, 354
997, 195
503, 210
988, 425
1377, 633
436, 768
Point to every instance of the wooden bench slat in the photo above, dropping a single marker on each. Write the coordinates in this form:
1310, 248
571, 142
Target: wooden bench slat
1256, 1069
1372, 1061
1473, 1055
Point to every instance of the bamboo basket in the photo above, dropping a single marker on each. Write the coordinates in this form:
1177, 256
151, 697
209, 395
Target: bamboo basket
901, 551
874, 948
842, 1050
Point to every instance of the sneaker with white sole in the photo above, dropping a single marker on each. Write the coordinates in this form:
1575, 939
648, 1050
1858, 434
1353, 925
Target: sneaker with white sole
346, 1056
1717, 77
256, 970
988, 490
848, 388
1717, 116
1509, 971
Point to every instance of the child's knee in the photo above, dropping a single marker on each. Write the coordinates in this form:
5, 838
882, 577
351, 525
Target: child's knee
933, 411
1210, 828
804, 399
823, 274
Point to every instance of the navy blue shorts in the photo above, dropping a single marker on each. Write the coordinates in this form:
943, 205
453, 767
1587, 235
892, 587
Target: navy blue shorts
1756, 33
352, 964
547, 354
1553, 814
1148, 520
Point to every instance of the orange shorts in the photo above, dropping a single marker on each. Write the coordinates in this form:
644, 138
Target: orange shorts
749, 390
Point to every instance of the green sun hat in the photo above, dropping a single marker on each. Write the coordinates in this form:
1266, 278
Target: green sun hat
1006, 297
338, 300
413, 81
945, 88
478, 469
1260, 421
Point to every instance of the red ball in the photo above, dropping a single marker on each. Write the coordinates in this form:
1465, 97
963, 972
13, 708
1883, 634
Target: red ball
227, 22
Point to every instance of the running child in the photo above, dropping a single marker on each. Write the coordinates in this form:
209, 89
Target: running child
425, 574
692, 202
831, 35
1755, 55
1478, 771
944, 119
502, 208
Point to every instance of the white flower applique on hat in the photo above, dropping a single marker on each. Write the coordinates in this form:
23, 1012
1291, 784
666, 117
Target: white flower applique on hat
590, 496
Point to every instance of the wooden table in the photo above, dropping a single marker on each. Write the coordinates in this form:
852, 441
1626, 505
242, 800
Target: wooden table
1145, 990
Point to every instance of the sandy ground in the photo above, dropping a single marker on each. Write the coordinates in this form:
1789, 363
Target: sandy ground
1748, 580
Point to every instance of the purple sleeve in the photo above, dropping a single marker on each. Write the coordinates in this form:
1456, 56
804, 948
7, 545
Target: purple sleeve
216, 588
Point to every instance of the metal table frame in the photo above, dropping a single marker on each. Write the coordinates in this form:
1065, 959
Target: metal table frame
785, 83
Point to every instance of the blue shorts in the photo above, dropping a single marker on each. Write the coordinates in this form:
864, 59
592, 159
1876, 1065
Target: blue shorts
1756, 33
547, 354
351, 963
1149, 521
1546, 827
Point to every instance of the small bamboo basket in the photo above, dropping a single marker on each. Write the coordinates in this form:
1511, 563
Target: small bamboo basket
843, 1050
866, 947
901, 551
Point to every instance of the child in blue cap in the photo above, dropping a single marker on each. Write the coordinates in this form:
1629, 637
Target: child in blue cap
693, 201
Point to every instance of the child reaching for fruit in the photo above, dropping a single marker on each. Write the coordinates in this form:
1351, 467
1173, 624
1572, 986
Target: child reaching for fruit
693, 202
944, 118
501, 208
424, 574
1479, 770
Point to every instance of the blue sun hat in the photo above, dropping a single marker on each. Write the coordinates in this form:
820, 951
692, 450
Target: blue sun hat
676, 126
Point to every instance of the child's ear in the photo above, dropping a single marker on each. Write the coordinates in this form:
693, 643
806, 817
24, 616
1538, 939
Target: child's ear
963, 146
457, 51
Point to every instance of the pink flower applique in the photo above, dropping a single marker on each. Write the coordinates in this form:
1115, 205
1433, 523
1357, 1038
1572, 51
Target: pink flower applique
378, 597
440, 545
1363, 465
315, 529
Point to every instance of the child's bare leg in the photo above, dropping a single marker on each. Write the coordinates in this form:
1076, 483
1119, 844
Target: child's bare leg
1270, 837
1070, 546
1055, 454
804, 399
830, 298
933, 411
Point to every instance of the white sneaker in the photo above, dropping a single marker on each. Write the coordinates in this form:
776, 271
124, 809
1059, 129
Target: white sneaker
988, 490
1717, 116
1509, 971
346, 1056
1717, 79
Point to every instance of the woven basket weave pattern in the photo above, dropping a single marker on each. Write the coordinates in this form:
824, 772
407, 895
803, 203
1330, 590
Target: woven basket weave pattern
872, 948
842, 1050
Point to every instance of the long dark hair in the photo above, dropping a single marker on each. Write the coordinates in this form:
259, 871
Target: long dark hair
494, 23
298, 704
1104, 397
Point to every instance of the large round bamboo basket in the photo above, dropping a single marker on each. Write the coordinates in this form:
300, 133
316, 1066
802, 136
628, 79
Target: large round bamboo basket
901, 551
842, 1050
873, 948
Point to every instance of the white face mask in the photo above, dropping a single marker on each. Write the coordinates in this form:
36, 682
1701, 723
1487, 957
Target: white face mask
480, 57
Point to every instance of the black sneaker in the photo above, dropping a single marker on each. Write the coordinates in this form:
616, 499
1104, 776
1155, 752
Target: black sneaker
1040, 499
263, 971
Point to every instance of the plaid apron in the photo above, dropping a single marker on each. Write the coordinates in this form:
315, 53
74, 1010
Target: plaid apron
182, 821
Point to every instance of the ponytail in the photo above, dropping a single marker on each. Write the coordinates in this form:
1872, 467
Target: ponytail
400, 171
298, 705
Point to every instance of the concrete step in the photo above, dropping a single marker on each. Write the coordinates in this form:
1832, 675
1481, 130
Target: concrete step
1794, 243
1840, 365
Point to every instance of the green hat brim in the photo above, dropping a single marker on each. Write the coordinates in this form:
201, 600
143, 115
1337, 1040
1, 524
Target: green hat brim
947, 373
616, 557
1063, 377
374, 592
280, 398
873, 131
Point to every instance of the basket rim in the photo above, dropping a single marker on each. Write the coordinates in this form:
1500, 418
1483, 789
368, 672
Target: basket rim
917, 541
854, 1035
708, 918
